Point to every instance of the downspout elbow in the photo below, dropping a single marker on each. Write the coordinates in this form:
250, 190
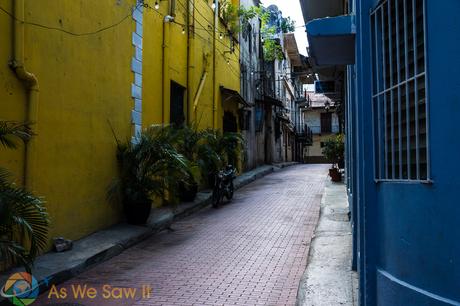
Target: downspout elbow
17, 64
33, 89
27, 77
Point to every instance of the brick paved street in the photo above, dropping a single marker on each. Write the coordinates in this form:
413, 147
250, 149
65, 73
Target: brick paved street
252, 251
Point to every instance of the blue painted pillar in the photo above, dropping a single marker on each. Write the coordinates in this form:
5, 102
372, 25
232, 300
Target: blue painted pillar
368, 229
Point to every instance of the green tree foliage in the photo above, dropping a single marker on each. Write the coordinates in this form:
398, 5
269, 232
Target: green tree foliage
23, 218
271, 45
230, 15
238, 18
287, 25
334, 149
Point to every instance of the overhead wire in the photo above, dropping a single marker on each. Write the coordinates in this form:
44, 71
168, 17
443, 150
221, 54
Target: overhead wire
188, 26
211, 27
207, 29
210, 24
100, 30
184, 25
203, 27
132, 9
237, 47
224, 57
211, 34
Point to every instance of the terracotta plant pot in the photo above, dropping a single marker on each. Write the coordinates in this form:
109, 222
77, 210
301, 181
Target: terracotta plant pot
335, 175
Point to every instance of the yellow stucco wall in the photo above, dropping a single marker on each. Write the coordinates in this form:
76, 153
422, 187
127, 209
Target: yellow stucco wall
85, 83
201, 59
12, 95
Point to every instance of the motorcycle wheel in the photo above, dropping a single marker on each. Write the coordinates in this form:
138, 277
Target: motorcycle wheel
230, 191
216, 198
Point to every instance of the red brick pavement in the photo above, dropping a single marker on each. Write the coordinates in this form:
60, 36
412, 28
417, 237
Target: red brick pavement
252, 251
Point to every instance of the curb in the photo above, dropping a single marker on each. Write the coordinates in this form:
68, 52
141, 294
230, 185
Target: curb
55, 268
328, 277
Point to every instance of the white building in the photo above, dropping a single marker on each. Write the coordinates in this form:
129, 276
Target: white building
323, 122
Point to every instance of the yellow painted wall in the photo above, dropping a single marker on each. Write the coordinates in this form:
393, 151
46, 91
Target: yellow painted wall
201, 58
12, 94
85, 83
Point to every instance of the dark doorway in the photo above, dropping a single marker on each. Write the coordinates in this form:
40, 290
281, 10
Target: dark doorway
326, 123
268, 134
177, 114
230, 123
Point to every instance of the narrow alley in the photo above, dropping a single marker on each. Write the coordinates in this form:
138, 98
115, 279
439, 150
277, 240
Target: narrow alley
252, 251
229, 152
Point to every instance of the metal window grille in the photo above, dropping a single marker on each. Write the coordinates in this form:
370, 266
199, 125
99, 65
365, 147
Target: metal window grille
400, 97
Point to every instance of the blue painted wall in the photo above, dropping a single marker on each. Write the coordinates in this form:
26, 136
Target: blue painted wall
407, 235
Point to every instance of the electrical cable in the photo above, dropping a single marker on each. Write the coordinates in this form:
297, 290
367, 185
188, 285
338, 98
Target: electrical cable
183, 26
210, 25
188, 26
70, 32
130, 14
203, 27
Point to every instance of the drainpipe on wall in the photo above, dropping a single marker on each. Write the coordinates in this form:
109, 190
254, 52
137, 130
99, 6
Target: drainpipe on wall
189, 31
163, 64
201, 84
214, 91
31, 83
200, 89
165, 67
172, 8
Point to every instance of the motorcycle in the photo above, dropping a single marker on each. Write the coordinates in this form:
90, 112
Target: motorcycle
223, 185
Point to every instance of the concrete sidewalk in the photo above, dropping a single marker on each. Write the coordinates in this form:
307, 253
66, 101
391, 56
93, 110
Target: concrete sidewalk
328, 279
55, 268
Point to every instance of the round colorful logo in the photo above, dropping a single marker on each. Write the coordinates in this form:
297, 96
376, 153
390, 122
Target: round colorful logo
21, 289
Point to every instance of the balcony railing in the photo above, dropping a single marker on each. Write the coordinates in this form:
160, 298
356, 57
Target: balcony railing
305, 136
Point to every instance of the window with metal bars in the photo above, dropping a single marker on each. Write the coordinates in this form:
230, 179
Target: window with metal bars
399, 97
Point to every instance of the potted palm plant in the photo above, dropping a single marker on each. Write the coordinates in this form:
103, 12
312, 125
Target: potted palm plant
23, 218
133, 185
209, 159
334, 151
149, 169
188, 141
218, 149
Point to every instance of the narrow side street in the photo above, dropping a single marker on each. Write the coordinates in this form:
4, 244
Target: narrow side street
251, 251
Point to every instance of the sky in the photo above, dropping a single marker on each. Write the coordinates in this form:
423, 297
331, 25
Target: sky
292, 8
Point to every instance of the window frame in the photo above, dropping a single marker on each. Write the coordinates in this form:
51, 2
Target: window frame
378, 39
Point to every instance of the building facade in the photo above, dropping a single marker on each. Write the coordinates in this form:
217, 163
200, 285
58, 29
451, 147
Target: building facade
322, 120
401, 59
251, 57
82, 71
283, 89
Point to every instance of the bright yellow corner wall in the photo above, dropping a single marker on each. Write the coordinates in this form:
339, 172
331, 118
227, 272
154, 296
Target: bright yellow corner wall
85, 83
